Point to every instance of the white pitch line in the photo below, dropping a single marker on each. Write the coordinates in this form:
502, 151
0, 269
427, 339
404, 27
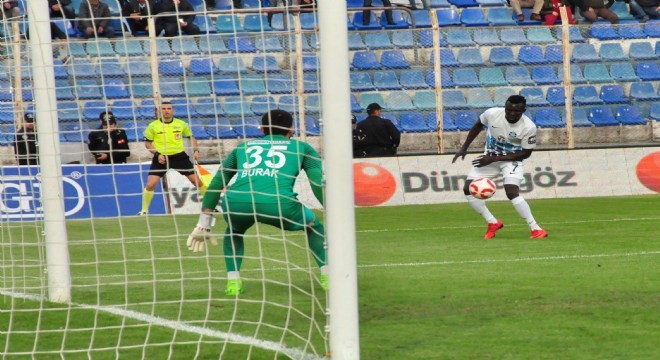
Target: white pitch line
179, 326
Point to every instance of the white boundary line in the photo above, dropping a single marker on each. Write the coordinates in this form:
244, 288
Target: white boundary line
179, 326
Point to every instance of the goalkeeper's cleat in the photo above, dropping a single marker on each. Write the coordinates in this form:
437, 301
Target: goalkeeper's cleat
325, 282
142, 213
492, 229
538, 234
234, 287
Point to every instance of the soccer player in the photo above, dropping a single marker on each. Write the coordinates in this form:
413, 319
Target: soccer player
510, 139
265, 170
164, 139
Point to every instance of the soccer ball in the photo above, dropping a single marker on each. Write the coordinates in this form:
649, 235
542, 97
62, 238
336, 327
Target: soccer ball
482, 188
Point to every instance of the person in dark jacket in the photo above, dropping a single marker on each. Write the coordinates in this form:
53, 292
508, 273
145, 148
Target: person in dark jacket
171, 24
10, 10
109, 145
592, 9
382, 138
137, 13
358, 138
61, 8
94, 17
645, 9
25, 143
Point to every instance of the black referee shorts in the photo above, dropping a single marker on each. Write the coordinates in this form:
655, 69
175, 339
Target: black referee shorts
179, 162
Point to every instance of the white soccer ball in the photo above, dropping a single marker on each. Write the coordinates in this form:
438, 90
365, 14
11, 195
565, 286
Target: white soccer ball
482, 188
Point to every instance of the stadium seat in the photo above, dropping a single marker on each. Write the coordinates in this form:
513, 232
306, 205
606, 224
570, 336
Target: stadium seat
171, 67
198, 86
142, 88
513, 37
88, 90
424, 100
412, 79
466, 78
232, 65
81, 68
237, 106
403, 40
230, 24
76, 49
365, 60
535, 96
101, 47
527, 14
544, 75
425, 39
486, 3
377, 40
642, 51
518, 75
74, 132
198, 130
623, 72
311, 82
603, 30
420, 19
263, 104
184, 46
574, 34
459, 37
597, 73
162, 47
399, 21
486, 37
92, 110
134, 129
373, 24
279, 84
447, 122
612, 52
602, 116
540, 35
312, 127
445, 79
355, 41
268, 44
434, 4
205, 24
63, 91
265, 64
473, 17
69, 111
109, 67
212, 45
171, 87
448, 17
368, 98
502, 56
586, 95
643, 91
620, 8
361, 81
629, 115
580, 118
502, 94
256, 23
386, 80
479, 98
652, 28
531, 55
399, 101
225, 86
548, 118
501, 16
310, 62
209, 107
648, 71
470, 57
288, 103
556, 95
308, 20
447, 58
413, 122
124, 110
491, 76
631, 29
584, 53
241, 44
59, 69
183, 108
465, 120
252, 85
654, 112
202, 65
312, 104
115, 89
576, 74
453, 99
394, 59
463, 3
554, 54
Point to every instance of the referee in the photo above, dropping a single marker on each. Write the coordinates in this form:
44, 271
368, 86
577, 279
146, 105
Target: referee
164, 138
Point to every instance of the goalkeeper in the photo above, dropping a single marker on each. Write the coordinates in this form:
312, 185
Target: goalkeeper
265, 171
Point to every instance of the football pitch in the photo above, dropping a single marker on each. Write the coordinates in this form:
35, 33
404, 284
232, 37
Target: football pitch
430, 287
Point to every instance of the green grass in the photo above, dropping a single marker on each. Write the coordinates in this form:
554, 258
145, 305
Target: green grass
430, 287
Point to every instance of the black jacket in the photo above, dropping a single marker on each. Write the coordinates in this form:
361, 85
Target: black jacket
381, 136
133, 6
98, 144
168, 6
25, 147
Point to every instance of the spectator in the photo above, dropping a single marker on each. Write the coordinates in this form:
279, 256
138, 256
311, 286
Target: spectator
381, 136
238, 4
307, 5
210, 5
171, 24
94, 17
592, 9
645, 9
366, 14
10, 10
551, 18
108, 145
137, 13
358, 138
61, 8
273, 3
535, 5
25, 142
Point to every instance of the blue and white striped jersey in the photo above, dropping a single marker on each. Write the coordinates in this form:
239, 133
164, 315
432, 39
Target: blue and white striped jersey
503, 138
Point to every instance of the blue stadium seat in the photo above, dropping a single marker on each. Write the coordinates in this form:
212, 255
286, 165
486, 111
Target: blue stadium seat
466, 78
365, 60
631, 29
237, 106
134, 129
142, 88
412, 79
485, 3
209, 107
162, 47
657, 47
556, 95
623, 72
648, 70
62, 91
378, 40
576, 74
361, 81
311, 82
109, 67
584, 53
232, 65
171, 87
88, 90
92, 110
603, 30
198, 130
265, 64
312, 127
252, 85
465, 120
629, 115
642, 51
184, 46
612, 52
586, 95
310, 62
527, 14
268, 44
373, 24
288, 103
116, 89
65, 26
230, 24
580, 118
479, 98
309, 20
459, 37
403, 40
355, 41
241, 44
453, 99
69, 111
198, 86
554, 54
470, 57
597, 73
420, 19
531, 55
102, 47
76, 49
171, 67
447, 58
447, 122
256, 23
501, 16
654, 112
413, 122
445, 79
205, 24
463, 3
620, 8
399, 21
540, 35
74, 132
58, 68
548, 118
535, 96
279, 84
424, 100
399, 101
212, 45
394, 59
81, 68
434, 4
486, 37
574, 34
263, 104
386, 80
425, 39
602, 116
652, 28
202, 65
502, 94
225, 86
448, 17
491, 76
474, 17
368, 98
124, 110
518, 75
544, 75
184, 108
312, 104
502, 56
643, 91
514, 37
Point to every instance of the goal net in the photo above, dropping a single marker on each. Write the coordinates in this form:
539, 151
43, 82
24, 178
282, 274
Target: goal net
135, 289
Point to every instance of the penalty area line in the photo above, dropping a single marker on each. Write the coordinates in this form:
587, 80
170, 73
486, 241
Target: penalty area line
179, 326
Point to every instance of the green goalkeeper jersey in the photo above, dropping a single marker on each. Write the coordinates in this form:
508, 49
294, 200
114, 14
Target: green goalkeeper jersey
265, 171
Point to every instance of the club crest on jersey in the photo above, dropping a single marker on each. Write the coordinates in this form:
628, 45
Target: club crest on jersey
512, 134
177, 136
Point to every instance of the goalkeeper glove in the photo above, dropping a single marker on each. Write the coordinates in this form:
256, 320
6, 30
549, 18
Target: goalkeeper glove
201, 233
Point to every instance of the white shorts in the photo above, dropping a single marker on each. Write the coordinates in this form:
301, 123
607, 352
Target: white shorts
511, 171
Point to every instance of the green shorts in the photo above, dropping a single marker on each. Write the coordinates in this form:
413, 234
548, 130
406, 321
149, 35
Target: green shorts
240, 216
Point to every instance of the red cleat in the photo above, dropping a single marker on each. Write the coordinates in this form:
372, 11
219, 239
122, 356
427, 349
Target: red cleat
538, 234
492, 229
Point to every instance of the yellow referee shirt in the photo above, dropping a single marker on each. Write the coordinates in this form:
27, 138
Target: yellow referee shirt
167, 137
